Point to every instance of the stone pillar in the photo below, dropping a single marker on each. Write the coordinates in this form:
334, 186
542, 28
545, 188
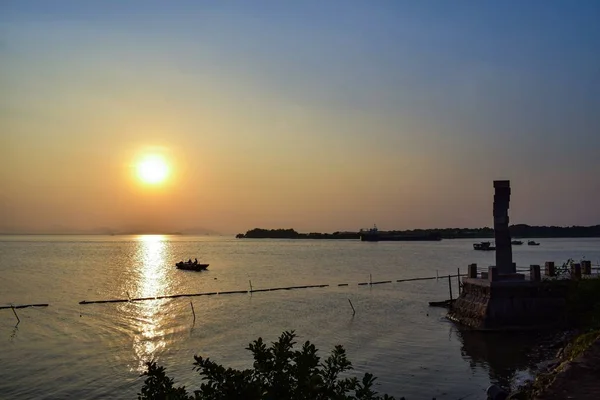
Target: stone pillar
534, 273
549, 270
504, 261
576, 271
472, 271
586, 267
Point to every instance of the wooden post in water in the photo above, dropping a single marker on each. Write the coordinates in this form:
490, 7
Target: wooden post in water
193, 312
450, 286
458, 279
18, 319
250, 282
370, 280
353, 310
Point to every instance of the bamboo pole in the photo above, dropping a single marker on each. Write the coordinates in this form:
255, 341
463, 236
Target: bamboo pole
450, 286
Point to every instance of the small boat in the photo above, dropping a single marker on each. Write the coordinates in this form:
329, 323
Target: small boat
485, 246
533, 243
191, 266
516, 242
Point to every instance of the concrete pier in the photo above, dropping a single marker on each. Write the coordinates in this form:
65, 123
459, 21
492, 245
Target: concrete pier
507, 304
502, 299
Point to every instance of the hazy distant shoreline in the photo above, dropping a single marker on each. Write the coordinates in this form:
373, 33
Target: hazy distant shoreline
516, 231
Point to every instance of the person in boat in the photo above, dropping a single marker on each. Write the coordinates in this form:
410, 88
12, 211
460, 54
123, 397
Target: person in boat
190, 261
195, 261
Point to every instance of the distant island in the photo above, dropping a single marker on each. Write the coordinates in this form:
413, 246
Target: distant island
516, 231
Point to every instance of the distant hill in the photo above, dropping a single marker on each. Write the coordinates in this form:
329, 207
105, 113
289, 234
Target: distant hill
516, 231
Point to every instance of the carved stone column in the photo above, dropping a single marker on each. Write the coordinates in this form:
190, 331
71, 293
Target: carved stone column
502, 235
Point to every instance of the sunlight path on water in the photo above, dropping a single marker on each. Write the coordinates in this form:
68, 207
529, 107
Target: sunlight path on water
151, 278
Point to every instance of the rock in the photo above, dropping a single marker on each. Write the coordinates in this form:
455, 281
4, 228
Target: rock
495, 392
548, 365
560, 352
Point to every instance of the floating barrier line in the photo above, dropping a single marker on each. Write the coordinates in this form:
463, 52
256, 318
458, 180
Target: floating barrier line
24, 306
420, 279
174, 296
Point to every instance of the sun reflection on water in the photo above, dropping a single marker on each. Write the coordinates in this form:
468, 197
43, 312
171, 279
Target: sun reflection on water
151, 268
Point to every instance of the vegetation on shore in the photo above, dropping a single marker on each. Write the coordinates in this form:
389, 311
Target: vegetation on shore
516, 231
279, 372
583, 331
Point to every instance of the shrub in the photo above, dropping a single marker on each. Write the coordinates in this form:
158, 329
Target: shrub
279, 373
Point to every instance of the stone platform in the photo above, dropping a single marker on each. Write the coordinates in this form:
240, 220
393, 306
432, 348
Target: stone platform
510, 304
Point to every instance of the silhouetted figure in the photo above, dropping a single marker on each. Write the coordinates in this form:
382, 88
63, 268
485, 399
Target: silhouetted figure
195, 261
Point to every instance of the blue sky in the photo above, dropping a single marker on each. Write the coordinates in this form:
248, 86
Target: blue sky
406, 109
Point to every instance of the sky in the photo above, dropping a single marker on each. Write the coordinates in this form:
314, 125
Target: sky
315, 115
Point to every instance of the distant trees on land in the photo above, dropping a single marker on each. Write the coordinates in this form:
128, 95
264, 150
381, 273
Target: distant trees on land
518, 231
258, 233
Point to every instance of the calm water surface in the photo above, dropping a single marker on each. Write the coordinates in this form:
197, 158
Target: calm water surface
91, 351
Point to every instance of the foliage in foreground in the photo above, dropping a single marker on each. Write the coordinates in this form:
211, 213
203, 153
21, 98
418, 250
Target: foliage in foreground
279, 372
583, 303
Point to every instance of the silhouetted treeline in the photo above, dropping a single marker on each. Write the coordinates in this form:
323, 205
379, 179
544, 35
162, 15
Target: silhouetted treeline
258, 233
527, 231
516, 231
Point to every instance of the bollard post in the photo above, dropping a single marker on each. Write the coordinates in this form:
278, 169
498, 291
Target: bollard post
549, 268
472, 271
586, 267
534, 273
576, 271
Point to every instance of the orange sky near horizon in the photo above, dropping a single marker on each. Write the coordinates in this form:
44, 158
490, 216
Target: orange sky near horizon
267, 123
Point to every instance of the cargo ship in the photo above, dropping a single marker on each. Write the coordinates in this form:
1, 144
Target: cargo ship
375, 235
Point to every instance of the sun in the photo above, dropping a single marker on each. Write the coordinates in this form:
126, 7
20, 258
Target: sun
152, 169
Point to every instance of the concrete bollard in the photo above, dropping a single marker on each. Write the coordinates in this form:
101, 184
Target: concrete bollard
576, 271
586, 267
472, 271
549, 268
534, 273
492, 274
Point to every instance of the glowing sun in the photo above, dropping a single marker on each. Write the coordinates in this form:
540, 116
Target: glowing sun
152, 169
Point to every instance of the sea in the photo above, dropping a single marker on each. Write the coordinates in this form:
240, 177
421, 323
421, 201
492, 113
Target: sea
98, 351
